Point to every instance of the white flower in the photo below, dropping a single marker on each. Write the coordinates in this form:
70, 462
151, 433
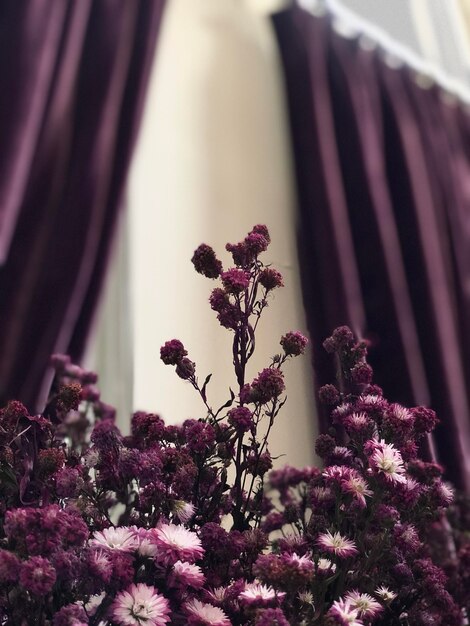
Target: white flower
120, 538
364, 603
177, 543
206, 613
345, 613
337, 544
371, 399
385, 594
256, 593
141, 605
183, 510
326, 566
386, 460
357, 486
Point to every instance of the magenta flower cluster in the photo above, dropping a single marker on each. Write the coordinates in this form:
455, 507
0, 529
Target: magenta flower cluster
190, 525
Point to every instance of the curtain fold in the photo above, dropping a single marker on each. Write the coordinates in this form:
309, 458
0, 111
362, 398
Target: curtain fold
383, 182
73, 77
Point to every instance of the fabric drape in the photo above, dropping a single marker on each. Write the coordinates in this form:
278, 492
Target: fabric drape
383, 175
73, 76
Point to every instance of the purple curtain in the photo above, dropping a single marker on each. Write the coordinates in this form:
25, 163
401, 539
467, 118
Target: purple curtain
383, 173
73, 75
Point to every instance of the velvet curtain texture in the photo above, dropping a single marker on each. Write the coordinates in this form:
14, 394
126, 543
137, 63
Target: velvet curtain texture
73, 75
383, 174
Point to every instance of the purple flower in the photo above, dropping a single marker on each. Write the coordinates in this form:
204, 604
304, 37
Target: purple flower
268, 386
37, 575
362, 373
270, 279
241, 418
271, 617
185, 368
205, 261
9, 566
294, 343
235, 280
70, 615
328, 394
172, 352
68, 482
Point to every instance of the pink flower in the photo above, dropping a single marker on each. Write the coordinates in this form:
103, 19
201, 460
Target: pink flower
337, 544
344, 614
337, 473
175, 543
365, 604
141, 605
100, 564
325, 567
145, 542
186, 575
206, 613
256, 594
386, 460
357, 486
120, 538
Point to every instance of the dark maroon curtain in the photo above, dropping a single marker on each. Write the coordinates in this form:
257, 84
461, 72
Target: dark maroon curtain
383, 173
73, 75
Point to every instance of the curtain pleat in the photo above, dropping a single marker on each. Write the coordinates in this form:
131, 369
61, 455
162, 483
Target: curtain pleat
71, 118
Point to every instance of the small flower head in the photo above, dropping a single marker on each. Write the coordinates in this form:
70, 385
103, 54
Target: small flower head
270, 279
385, 459
176, 543
325, 567
37, 575
365, 604
357, 487
205, 261
70, 615
271, 617
294, 343
141, 605
385, 594
172, 352
185, 575
235, 280
185, 368
268, 386
9, 566
205, 614
184, 511
328, 394
337, 544
120, 538
342, 613
259, 595
241, 418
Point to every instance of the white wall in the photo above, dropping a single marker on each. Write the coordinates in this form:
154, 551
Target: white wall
213, 159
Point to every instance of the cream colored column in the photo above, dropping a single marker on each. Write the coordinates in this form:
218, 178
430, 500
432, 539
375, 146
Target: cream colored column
213, 159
